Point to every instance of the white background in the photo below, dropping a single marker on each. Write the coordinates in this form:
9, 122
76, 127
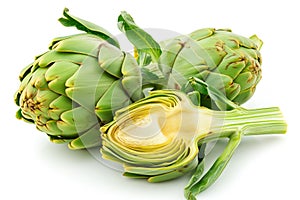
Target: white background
262, 167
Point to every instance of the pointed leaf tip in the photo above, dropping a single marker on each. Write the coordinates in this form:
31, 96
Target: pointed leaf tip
257, 41
65, 10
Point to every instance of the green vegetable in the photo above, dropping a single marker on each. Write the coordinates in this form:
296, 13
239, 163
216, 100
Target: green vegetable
84, 80
158, 137
76, 86
224, 60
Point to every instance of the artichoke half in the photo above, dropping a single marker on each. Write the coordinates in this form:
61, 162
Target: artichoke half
158, 137
76, 86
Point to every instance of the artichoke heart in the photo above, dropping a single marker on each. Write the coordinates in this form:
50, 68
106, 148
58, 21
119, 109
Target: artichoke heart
156, 125
151, 133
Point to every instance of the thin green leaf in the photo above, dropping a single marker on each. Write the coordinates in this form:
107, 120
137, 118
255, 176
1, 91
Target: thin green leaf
197, 184
216, 95
195, 178
142, 41
88, 27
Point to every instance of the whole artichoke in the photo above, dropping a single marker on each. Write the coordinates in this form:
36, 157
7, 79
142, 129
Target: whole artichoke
76, 86
226, 61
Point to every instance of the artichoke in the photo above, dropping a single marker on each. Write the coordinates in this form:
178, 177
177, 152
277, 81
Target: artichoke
158, 137
224, 60
71, 90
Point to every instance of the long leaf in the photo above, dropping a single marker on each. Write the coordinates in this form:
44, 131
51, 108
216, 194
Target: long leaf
142, 41
88, 27
197, 184
219, 98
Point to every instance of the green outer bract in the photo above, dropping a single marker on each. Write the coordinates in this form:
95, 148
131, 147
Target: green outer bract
76, 86
224, 60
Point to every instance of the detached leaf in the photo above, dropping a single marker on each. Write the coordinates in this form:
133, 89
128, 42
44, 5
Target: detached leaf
143, 42
197, 184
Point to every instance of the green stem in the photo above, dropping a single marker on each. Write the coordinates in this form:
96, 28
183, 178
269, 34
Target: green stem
250, 122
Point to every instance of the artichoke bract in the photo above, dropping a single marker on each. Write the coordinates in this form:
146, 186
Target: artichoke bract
71, 90
224, 60
158, 137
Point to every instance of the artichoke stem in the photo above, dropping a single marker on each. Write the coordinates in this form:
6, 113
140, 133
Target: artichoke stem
250, 122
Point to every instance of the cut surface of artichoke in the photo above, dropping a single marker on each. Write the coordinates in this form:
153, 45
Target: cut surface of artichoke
155, 126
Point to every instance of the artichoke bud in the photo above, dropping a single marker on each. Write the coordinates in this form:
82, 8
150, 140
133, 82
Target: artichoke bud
224, 60
75, 87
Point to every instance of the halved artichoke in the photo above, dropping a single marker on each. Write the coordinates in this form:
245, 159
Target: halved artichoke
158, 137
